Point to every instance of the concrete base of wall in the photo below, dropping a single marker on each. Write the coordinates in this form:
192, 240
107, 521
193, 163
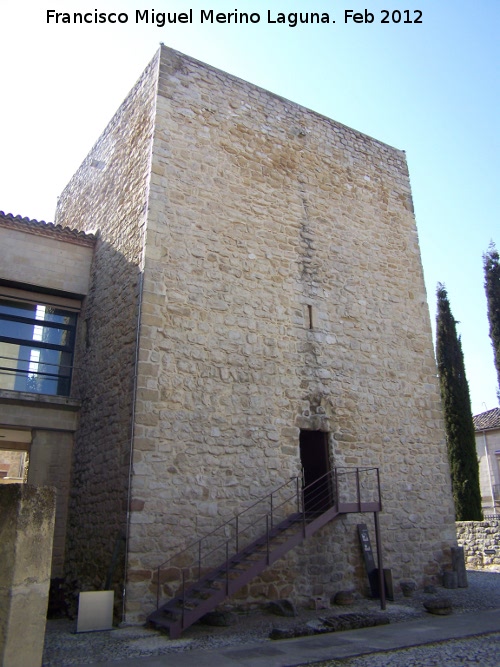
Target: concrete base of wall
27, 516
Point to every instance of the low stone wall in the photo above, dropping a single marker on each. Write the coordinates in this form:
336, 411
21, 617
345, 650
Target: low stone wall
26, 534
481, 543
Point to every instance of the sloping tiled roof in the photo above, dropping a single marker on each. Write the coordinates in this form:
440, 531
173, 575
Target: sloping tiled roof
43, 228
487, 420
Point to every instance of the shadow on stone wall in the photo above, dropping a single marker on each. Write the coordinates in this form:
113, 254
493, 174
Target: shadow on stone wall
104, 382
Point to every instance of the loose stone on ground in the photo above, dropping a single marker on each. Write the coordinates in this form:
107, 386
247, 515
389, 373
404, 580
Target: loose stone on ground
63, 648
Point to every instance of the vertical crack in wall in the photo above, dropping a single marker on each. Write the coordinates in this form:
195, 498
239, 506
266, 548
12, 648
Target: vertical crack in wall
310, 280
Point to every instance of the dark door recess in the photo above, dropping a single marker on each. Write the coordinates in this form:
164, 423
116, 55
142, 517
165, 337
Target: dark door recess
315, 462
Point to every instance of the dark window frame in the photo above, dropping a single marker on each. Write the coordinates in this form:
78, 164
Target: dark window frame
52, 383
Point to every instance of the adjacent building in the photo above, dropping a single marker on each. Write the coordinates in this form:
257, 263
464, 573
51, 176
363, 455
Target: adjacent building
44, 278
487, 426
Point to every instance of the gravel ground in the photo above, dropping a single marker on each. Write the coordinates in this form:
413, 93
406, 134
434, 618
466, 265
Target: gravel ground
63, 647
483, 651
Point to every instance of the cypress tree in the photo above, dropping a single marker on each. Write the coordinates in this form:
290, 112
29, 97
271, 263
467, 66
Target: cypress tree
491, 266
460, 436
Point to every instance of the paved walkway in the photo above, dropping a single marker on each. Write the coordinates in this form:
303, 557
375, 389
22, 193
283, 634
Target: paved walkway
293, 652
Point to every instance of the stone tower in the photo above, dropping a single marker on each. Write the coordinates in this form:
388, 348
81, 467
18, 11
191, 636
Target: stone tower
257, 291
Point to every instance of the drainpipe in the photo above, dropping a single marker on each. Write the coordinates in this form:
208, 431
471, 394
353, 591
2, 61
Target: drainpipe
487, 454
137, 341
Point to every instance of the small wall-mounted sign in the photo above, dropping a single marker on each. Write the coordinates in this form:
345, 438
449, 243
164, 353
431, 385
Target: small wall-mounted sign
490, 552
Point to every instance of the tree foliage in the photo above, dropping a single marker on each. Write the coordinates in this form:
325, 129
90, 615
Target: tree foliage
491, 264
460, 436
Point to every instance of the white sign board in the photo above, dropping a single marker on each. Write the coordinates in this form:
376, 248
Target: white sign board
95, 611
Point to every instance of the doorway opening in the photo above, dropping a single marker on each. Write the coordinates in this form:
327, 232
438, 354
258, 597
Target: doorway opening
315, 461
13, 466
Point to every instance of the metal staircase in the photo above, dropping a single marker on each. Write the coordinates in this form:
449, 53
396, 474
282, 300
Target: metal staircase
253, 540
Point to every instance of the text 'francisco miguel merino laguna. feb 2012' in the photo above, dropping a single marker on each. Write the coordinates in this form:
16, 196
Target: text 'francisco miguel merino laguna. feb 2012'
210, 16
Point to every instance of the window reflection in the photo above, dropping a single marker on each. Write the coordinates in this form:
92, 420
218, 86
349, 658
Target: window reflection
36, 347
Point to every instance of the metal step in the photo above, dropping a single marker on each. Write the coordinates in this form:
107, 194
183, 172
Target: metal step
204, 595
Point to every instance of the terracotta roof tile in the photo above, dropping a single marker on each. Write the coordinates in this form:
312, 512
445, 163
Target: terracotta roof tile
43, 228
487, 420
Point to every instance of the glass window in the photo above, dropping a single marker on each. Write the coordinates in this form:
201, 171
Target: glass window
36, 347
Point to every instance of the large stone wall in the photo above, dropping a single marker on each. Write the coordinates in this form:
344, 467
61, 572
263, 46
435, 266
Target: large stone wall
108, 194
481, 543
283, 290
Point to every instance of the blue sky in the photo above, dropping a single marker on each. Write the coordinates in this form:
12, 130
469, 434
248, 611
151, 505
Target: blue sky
431, 89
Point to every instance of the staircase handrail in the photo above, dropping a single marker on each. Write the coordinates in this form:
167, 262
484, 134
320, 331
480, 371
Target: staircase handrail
298, 495
231, 520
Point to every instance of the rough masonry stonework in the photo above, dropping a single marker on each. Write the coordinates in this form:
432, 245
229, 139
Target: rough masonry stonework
481, 543
108, 194
267, 258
